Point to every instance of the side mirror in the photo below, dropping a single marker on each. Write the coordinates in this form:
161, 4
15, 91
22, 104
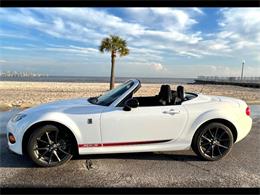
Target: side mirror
131, 103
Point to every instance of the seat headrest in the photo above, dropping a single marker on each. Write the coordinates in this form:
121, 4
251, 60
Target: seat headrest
165, 89
180, 92
165, 93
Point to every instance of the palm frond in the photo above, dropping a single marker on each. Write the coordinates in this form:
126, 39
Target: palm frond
114, 43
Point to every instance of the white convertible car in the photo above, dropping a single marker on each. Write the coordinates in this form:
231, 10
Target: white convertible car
119, 122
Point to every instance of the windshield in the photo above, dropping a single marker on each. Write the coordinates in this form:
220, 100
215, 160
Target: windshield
110, 96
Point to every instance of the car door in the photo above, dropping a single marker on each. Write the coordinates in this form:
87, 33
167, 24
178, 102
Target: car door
141, 124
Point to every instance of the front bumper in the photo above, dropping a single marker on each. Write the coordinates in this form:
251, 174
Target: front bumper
15, 129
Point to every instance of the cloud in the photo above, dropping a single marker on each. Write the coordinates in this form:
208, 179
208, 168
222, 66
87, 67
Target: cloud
241, 27
2, 61
175, 18
198, 10
222, 70
158, 67
14, 35
74, 49
189, 54
167, 35
90, 25
219, 46
11, 48
91, 21
166, 18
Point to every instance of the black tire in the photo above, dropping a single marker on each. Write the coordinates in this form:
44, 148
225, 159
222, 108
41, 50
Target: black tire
213, 141
48, 146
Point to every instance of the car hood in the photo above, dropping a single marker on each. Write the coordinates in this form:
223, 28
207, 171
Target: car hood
62, 106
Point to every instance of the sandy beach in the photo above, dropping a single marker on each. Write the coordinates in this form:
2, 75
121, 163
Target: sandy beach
27, 94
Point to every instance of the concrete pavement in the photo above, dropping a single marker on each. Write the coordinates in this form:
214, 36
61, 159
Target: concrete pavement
162, 169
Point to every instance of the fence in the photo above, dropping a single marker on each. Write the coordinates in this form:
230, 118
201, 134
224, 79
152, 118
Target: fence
230, 79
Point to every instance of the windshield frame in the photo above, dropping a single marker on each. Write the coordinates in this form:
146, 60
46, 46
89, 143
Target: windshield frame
121, 97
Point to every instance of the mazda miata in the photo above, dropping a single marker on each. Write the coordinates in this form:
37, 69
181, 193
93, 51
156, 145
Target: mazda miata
119, 122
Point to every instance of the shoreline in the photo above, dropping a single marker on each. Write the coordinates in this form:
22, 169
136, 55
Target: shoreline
97, 79
24, 94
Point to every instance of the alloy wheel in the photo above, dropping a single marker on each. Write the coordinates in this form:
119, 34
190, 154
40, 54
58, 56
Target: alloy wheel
52, 147
215, 142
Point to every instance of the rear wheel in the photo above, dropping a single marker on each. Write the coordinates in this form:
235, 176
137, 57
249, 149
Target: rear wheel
48, 146
213, 141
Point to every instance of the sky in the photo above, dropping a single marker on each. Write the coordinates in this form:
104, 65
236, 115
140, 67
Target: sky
163, 42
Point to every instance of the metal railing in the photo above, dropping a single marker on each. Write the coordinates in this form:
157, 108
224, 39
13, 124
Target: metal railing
230, 79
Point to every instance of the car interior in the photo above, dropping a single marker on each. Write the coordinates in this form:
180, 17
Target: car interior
165, 97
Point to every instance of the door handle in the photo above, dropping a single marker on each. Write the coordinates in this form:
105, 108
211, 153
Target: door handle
172, 112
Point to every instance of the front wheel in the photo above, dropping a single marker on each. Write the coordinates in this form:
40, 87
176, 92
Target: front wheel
213, 141
48, 146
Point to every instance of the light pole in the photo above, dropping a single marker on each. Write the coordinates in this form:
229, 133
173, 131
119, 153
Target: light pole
242, 72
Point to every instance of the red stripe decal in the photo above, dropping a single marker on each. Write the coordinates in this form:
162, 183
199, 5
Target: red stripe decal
121, 143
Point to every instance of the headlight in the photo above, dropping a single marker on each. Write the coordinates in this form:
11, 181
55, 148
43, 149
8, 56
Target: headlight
18, 117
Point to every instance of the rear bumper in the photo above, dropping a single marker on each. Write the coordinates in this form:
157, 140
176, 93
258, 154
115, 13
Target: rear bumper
243, 128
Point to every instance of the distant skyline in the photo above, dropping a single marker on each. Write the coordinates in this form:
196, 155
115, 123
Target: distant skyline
163, 42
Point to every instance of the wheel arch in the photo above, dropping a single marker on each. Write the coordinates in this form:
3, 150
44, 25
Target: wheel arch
42, 123
226, 122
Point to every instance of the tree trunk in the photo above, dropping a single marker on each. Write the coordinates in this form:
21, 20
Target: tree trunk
112, 76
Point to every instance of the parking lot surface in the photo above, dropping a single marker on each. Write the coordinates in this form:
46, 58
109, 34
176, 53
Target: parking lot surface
161, 169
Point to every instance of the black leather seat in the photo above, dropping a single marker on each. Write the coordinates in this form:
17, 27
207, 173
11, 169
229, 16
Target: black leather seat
180, 95
165, 95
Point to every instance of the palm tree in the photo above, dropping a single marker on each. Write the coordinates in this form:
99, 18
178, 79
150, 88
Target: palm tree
114, 44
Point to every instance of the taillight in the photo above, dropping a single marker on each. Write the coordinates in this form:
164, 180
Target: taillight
248, 111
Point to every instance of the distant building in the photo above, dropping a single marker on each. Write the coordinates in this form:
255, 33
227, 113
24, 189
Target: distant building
21, 74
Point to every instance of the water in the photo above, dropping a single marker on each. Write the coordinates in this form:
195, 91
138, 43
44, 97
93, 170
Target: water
88, 79
5, 116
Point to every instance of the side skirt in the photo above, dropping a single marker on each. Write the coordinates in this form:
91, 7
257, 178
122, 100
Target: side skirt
121, 143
